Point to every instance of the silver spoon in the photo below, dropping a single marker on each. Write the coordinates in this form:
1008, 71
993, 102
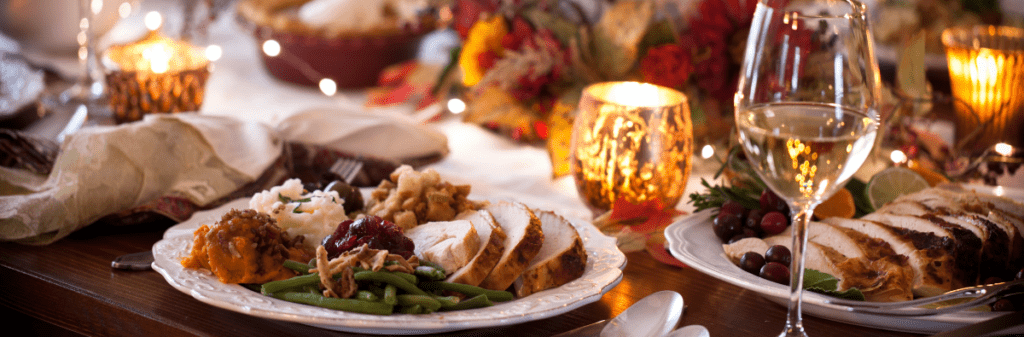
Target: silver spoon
654, 316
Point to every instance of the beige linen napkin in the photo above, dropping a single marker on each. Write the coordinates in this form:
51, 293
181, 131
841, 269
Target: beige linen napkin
200, 158
104, 170
364, 133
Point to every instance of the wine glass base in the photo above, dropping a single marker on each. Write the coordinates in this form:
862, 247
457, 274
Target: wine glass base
793, 332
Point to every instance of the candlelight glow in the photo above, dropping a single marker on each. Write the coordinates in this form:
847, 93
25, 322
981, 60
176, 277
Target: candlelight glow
1004, 149
631, 141
986, 68
153, 20
158, 54
328, 86
271, 48
159, 58
456, 106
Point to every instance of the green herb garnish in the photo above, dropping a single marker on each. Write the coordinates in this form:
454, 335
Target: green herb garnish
823, 283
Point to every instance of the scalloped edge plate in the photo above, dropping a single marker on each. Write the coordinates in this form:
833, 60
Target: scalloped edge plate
604, 271
692, 241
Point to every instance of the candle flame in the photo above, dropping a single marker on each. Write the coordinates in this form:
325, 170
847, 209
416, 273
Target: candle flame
1004, 149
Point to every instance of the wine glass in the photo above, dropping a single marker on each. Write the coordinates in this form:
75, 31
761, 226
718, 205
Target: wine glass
807, 109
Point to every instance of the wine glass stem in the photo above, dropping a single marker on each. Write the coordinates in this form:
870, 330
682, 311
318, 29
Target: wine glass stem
89, 85
794, 321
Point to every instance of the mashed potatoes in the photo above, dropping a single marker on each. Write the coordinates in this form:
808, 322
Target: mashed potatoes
313, 215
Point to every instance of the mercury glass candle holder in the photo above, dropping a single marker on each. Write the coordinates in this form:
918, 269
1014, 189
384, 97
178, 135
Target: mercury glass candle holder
633, 141
986, 70
155, 75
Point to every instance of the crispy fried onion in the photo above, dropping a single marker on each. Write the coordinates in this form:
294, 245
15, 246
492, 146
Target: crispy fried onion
362, 257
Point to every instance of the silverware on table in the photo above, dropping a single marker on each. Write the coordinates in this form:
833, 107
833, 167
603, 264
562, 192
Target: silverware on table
134, 261
978, 295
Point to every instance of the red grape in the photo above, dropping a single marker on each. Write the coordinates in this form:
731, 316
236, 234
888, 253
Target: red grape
727, 225
772, 202
754, 220
733, 207
780, 254
752, 262
773, 223
775, 272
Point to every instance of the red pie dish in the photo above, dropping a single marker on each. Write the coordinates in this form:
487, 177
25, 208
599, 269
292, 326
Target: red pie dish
307, 55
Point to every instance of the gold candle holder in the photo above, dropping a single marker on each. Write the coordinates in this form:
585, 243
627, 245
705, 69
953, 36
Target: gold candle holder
986, 70
631, 140
155, 75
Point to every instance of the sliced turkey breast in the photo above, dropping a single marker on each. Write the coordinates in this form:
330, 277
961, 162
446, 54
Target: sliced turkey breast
524, 238
450, 244
561, 259
492, 244
931, 262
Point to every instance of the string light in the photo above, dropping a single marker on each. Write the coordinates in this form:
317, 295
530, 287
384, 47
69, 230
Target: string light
328, 87
898, 157
707, 151
271, 48
1004, 149
124, 10
213, 52
456, 106
153, 20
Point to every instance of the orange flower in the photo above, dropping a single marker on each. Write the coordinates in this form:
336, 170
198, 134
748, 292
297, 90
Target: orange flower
483, 42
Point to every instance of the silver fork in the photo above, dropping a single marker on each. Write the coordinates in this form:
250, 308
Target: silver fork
981, 295
347, 168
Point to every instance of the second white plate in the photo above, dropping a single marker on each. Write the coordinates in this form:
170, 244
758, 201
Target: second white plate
693, 242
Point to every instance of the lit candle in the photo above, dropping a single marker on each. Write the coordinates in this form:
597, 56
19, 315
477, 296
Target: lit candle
986, 69
631, 141
156, 74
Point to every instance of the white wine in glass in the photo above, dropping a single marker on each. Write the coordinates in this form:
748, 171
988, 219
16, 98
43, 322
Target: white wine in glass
807, 109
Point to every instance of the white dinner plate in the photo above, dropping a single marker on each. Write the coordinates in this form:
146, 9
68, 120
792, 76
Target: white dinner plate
693, 242
604, 271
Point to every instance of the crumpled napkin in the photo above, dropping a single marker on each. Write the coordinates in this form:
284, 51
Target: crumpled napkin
199, 158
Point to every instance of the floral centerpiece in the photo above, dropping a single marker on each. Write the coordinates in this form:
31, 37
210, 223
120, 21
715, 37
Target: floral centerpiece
524, 62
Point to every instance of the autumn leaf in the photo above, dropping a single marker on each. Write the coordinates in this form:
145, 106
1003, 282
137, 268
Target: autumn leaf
654, 214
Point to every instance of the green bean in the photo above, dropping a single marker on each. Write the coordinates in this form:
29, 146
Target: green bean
390, 294
428, 303
375, 289
366, 295
414, 309
389, 278
478, 301
299, 267
429, 273
495, 295
343, 304
433, 265
312, 263
446, 301
294, 282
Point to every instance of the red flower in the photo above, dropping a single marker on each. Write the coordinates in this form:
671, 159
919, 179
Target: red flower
666, 65
466, 12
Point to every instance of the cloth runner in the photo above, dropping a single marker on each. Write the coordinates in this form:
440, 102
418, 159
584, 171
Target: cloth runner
196, 158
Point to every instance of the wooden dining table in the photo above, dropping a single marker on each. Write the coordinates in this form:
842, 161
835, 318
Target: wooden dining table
68, 288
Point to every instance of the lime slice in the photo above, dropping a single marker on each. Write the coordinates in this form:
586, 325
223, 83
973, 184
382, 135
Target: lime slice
893, 182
